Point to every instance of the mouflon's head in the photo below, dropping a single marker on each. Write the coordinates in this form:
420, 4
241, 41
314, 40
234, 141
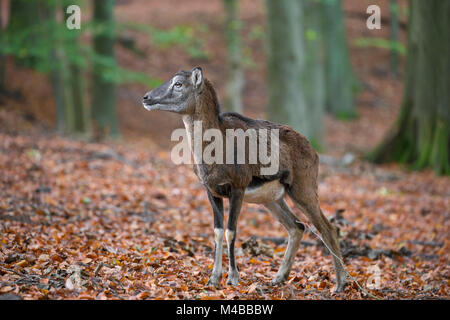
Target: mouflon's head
177, 94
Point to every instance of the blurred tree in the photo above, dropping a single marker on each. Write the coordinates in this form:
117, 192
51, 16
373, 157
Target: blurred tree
103, 89
395, 25
293, 67
313, 79
338, 70
57, 72
421, 136
2, 39
40, 42
235, 76
66, 73
286, 67
38, 38
74, 80
25, 19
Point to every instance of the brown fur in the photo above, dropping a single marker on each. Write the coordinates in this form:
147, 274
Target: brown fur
296, 153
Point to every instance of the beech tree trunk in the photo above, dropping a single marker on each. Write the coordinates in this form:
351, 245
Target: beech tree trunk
395, 26
295, 79
56, 75
421, 136
66, 77
2, 55
284, 64
104, 91
79, 122
313, 77
339, 75
235, 75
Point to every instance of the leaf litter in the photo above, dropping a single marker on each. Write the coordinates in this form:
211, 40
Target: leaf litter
113, 221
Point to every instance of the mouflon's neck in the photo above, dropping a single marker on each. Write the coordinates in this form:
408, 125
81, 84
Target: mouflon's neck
206, 116
207, 108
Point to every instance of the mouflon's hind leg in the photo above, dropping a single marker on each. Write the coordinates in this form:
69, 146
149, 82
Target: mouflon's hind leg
236, 199
217, 205
306, 199
295, 229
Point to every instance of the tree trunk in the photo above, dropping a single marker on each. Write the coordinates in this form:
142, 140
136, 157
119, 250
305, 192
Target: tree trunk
103, 91
56, 81
2, 55
339, 75
66, 76
235, 76
81, 119
313, 79
421, 136
285, 53
394, 37
25, 16
56, 73
79, 122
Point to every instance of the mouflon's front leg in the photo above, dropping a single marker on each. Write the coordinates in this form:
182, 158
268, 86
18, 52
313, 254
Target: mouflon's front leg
236, 199
217, 205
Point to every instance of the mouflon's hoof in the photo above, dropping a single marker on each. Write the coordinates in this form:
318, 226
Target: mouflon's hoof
278, 280
213, 280
233, 279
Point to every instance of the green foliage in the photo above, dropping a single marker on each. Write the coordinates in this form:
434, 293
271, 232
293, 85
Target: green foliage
33, 45
256, 33
247, 59
191, 39
381, 43
344, 115
311, 34
113, 73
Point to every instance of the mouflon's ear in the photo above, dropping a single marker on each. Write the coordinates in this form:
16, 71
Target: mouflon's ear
197, 78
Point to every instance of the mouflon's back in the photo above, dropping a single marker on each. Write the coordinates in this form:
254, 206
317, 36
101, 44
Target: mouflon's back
296, 153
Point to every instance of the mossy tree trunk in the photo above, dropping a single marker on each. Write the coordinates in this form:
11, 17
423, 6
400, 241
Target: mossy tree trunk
421, 136
104, 113
340, 80
3, 14
235, 75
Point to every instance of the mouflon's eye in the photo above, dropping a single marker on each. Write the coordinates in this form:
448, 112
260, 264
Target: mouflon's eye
178, 84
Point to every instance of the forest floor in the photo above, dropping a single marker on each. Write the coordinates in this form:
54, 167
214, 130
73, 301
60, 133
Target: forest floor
118, 220
100, 221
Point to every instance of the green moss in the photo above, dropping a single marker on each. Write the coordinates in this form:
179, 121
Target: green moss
381, 44
439, 156
346, 115
317, 145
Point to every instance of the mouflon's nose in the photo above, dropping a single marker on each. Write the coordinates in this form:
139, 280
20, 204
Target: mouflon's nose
147, 98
